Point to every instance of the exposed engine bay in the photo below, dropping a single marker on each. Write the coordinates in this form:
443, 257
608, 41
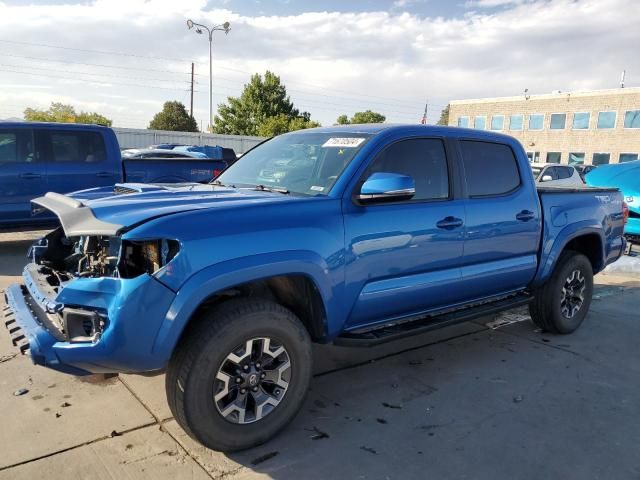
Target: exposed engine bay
100, 256
59, 260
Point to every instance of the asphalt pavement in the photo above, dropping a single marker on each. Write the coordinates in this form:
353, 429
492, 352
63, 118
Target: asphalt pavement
494, 398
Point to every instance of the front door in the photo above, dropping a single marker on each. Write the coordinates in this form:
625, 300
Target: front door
22, 174
503, 221
405, 257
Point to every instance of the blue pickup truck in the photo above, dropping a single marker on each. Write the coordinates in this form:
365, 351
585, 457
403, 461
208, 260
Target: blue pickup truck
36, 158
354, 235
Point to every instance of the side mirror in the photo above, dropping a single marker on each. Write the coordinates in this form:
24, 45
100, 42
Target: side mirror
382, 186
546, 178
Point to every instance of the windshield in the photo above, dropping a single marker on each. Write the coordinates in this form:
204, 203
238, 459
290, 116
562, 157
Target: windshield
306, 163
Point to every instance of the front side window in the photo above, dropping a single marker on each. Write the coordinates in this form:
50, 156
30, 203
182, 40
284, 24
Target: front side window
632, 119
536, 121
16, 146
463, 122
306, 163
497, 122
423, 159
71, 146
581, 120
600, 158
490, 168
480, 122
557, 121
554, 157
628, 157
606, 120
576, 158
515, 122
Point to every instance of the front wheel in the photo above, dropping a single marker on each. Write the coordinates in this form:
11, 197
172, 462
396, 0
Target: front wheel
562, 303
239, 374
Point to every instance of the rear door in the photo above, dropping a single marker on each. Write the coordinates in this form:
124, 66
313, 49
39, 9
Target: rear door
503, 220
76, 159
22, 174
404, 257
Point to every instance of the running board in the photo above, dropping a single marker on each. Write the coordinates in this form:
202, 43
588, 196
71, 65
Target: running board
421, 324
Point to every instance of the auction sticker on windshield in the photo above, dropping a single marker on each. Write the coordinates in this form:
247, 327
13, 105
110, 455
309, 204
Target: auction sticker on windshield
343, 142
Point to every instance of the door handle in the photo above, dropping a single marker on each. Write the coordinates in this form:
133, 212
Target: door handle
525, 216
449, 223
30, 175
104, 174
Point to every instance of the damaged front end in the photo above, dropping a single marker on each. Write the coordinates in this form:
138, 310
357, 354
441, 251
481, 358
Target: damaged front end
91, 303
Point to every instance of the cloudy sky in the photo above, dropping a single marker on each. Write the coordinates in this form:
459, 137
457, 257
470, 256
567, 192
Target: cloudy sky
124, 58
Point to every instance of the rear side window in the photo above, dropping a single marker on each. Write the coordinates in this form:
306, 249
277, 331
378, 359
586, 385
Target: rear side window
71, 146
423, 159
16, 146
490, 168
564, 172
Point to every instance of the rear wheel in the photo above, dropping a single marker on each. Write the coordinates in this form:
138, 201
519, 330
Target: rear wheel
239, 374
562, 303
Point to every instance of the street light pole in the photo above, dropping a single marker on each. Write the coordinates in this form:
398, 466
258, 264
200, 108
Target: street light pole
225, 27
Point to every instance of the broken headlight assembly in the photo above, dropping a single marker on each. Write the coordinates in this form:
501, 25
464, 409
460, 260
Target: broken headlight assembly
145, 256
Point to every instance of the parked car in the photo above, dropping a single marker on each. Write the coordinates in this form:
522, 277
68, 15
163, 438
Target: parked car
556, 175
159, 153
165, 146
383, 233
215, 152
626, 177
583, 170
59, 157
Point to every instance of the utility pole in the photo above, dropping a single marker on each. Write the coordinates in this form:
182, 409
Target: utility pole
191, 109
424, 116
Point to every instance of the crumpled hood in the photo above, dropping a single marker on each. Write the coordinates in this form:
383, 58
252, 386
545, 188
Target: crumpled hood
625, 176
107, 210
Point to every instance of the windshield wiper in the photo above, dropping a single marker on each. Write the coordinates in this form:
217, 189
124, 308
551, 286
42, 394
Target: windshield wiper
262, 188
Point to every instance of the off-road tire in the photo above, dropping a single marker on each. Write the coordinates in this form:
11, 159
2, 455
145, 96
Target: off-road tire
204, 347
546, 308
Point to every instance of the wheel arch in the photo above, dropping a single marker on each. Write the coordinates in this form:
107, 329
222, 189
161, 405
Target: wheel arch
585, 239
301, 285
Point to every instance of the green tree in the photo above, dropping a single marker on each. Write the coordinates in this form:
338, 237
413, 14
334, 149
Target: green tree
367, 116
63, 113
173, 116
444, 116
263, 108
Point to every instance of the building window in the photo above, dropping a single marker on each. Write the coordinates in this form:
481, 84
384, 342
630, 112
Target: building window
516, 121
581, 120
558, 121
534, 157
536, 121
606, 120
600, 158
463, 122
628, 157
497, 122
632, 119
480, 122
553, 157
576, 158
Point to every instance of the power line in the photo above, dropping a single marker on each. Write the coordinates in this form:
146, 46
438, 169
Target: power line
95, 64
86, 80
100, 52
93, 74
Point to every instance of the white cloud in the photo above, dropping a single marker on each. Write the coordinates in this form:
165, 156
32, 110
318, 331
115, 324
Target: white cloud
393, 62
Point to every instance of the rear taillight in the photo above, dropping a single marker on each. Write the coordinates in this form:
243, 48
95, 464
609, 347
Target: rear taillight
625, 212
216, 173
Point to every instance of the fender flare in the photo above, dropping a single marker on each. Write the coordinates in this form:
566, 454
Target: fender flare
552, 248
222, 276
